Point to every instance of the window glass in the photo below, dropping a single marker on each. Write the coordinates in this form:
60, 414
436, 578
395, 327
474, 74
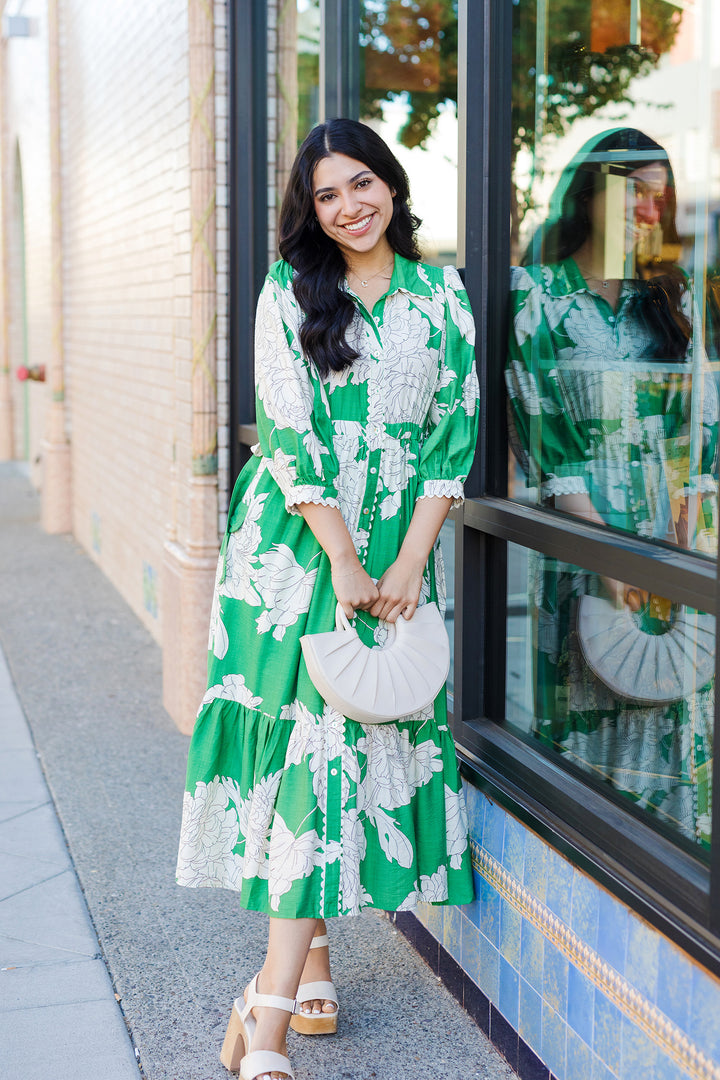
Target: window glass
293, 92
616, 685
408, 93
612, 366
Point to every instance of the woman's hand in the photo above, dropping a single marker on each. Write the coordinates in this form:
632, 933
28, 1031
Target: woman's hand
399, 589
354, 588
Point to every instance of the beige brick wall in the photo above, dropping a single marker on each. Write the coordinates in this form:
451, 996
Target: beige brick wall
126, 271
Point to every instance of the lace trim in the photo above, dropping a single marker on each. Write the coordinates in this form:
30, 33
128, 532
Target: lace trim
563, 485
443, 489
308, 493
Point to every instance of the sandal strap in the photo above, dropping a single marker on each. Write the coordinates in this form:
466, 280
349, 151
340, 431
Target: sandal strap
320, 941
266, 1001
258, 1062
317, 991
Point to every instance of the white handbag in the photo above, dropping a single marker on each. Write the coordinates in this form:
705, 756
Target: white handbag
655, 669
377, 685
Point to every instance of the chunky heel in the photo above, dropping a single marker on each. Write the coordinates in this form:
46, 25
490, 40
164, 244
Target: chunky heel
236, 1052
233, 1049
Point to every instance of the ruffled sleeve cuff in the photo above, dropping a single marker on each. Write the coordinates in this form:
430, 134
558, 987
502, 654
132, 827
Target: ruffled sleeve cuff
563, 485
442, 489
284, 472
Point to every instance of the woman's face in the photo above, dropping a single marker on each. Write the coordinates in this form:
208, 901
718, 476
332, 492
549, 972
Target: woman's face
627, 209
646, 198
353, 205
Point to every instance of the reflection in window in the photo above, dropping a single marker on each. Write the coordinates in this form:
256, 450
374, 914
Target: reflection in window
612, 377
621, 687
611, 371
408, 92
293, 99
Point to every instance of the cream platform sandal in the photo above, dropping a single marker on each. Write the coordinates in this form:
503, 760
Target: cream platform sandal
236, 1052
315, 1023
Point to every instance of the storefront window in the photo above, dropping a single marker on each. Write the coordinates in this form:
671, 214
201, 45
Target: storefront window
612, 381
612, 369
408, 92
294, 88
618, 684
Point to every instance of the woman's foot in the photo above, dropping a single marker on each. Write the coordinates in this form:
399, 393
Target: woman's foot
270, 1030
317, 969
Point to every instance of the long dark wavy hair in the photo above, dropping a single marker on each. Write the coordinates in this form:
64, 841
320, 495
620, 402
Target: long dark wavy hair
661, 285
316, 259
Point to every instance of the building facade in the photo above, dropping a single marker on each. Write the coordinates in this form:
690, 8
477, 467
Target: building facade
566, 154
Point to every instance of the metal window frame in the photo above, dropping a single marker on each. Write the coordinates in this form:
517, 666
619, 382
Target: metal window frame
670, 887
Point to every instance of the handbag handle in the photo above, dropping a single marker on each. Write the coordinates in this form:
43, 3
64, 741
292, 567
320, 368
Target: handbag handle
343, 623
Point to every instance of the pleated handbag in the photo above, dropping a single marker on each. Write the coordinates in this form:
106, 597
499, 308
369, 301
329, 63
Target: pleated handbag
381, 684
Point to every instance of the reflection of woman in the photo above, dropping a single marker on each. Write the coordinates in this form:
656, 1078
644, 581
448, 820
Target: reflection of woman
614, 422
367, 419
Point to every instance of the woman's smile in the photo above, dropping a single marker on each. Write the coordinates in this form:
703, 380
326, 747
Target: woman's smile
354, 208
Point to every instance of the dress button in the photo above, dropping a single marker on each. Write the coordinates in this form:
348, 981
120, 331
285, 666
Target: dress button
373, 470
333, 772
611, 320
366, 511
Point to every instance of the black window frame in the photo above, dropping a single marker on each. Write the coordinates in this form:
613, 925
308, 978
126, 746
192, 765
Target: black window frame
669, 887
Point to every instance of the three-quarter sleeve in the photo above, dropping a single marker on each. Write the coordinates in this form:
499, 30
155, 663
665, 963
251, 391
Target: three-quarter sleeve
543, 422
293, 417
449, 444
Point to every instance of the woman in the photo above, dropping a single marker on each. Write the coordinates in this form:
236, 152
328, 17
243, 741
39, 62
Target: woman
367, 420
613, 416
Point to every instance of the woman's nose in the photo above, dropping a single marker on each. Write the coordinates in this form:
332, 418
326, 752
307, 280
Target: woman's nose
351, 204
647, 209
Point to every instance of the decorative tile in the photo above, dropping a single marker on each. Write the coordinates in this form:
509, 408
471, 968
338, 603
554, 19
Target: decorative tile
489, 912
470, 950
505, 1037
514, 846
532, 954
472, 910
606, 1031
579, 1058
641, 966
494, 833
554, 1038
509, 1000
639, 1053
530, 1065
585, 908
555, 979
434, 922
452, 931
674, 985
489, 970
559, 886
600, 1070
612, 930
451, 974
510, 931
704, 1013
530, 1016
477, 1005
476, 803
535, 866
580, 1004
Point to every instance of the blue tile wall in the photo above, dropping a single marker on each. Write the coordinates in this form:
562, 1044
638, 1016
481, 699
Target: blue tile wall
532, 945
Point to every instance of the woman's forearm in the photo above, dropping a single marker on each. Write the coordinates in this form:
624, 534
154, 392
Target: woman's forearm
353, 586
401, 583
425, 525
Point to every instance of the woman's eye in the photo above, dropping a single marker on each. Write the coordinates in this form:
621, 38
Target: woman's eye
327, 197
364, 183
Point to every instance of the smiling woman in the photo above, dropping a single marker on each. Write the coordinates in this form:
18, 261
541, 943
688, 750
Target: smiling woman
367, 413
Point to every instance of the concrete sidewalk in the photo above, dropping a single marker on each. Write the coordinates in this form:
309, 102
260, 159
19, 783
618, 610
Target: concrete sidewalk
88, 678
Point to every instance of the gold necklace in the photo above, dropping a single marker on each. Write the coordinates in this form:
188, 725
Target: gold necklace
366, 281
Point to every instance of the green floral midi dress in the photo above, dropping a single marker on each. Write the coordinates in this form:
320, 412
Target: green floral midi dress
301, 811
592, 415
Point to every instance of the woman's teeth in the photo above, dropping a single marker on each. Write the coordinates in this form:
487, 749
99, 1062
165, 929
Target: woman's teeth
358, 225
